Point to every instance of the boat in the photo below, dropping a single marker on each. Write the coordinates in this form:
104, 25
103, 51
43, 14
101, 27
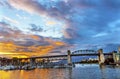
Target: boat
27, 67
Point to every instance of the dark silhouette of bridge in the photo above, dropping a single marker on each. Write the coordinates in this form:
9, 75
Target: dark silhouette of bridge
68, 56
84, 54
75, 53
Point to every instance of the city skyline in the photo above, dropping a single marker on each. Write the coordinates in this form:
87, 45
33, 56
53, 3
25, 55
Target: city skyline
39, 27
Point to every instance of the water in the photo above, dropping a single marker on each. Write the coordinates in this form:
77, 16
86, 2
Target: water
81, 71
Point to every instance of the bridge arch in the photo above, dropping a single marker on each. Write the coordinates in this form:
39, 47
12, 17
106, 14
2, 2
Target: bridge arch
83, 51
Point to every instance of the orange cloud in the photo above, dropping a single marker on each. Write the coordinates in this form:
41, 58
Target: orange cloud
35, 37
17, 44
10, 49
58, 43
50, 23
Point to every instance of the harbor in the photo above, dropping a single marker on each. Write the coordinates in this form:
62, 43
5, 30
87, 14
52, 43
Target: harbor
84, 71
61, 61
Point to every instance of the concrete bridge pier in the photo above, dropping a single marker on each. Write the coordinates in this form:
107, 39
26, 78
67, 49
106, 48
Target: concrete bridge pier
116, 57
101, 57
69, 57
119, 49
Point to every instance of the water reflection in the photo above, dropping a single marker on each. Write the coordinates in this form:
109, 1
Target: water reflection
79, 72
103, 74
110, 72
37, 74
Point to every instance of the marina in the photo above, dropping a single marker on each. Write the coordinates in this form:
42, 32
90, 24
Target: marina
80, 71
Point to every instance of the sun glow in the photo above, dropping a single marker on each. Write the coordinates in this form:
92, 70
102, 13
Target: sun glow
12, 55
10, 49
5, 53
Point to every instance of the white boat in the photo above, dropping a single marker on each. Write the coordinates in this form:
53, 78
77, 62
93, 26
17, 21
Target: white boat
28, 67
9, 67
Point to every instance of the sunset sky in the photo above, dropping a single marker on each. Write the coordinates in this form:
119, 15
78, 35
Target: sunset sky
43, 27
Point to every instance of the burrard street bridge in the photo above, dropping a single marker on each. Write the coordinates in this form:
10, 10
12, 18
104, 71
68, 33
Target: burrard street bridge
101, 56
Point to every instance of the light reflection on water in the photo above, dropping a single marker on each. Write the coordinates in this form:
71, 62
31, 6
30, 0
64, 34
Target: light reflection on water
79, 72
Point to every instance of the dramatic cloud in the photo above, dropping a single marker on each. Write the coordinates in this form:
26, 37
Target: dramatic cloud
66, 24
27, 5
91, 16
35, 28
34, 6
7, 32
15, 41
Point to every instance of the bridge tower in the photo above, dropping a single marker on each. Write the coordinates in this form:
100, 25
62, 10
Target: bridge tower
69, 57
116, 56
101, 57
119, 49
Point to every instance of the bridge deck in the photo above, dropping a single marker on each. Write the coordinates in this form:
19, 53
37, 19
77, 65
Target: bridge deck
71, 55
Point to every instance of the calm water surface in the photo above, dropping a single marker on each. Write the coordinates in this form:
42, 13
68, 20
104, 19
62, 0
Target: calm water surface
79, 72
